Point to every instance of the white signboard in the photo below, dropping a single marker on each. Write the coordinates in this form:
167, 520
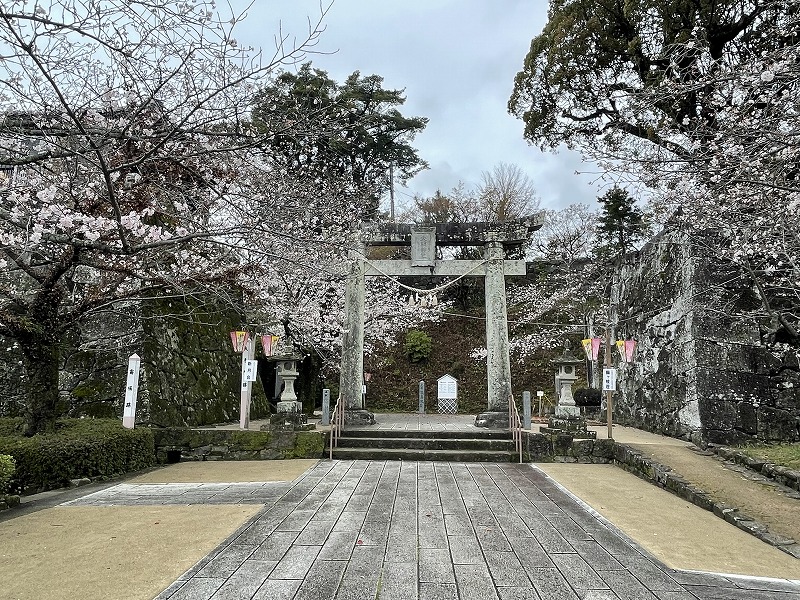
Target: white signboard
448, 387
131, 392
609, 380
249, 370
249, 374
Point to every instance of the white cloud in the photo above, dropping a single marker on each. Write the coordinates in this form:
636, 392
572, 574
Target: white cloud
456, 60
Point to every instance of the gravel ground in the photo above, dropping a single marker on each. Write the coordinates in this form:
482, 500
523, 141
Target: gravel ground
115, 552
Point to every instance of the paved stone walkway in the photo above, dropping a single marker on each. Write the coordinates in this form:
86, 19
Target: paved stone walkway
355, 530
129, 494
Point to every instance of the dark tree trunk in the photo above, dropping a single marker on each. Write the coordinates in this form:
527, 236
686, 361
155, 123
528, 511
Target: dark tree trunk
40, 344
40, 357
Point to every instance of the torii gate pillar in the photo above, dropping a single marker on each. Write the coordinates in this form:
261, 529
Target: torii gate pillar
352, 373
498, 364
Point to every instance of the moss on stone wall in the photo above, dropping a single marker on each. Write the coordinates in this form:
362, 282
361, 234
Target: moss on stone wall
252, 441
191, 373
228, 444
308, 444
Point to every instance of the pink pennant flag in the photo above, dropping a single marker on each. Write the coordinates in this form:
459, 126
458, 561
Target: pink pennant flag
595, 347
591, 346
626, 348
630, 346
239, 340
266, 343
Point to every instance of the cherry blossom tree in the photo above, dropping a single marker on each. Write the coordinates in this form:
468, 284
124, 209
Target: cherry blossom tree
559, 304
567, 235
740, 175
127, 169
698, 102
302, 298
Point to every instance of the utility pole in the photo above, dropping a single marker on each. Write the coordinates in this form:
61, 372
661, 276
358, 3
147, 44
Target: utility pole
391, 192
609, 393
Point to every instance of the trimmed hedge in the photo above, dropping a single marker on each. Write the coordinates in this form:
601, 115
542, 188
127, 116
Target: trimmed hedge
7, 467
587, 397
12, 426
80, 448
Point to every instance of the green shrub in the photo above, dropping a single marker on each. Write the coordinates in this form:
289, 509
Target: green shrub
7, 467
93, 448
418, 345
587, 397
11, 426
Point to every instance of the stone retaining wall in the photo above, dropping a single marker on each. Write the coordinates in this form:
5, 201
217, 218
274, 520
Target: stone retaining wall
705, 367
779, 473
539, 447
179, 444
190, 376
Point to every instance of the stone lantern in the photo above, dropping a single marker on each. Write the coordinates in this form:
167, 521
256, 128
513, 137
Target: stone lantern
568, 419
565, 376
287, 370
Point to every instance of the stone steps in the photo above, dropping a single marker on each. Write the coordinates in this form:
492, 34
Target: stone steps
487, 434
413, 445
428, 443
345, 453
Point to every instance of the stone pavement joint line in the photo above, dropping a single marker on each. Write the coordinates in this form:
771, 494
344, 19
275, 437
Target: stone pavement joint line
351, 530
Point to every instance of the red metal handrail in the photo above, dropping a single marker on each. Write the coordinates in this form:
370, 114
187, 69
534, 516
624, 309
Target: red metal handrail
515, 425
337, 424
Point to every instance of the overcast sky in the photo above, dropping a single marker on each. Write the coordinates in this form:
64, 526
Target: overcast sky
456, 61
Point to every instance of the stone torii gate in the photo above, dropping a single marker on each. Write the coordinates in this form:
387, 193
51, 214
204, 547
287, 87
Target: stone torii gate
495, 238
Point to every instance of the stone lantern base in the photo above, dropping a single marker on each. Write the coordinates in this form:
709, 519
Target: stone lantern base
493, 419
289, 406
358, 417
566, 411
572, 425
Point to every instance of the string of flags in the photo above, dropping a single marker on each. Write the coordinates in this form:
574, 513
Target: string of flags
240, 339
626, 348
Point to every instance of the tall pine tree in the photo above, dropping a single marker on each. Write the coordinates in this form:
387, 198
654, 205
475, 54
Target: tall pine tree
620, 225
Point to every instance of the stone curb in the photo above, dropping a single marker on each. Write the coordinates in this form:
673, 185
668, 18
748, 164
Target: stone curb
9, 501
779, 473
634, 462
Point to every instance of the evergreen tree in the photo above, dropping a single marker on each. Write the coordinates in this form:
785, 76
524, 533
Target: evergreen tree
621, 224
343, 137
